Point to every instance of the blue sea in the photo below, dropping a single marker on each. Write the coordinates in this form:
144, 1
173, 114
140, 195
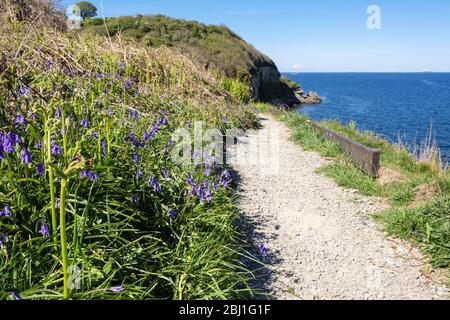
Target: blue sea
390, 104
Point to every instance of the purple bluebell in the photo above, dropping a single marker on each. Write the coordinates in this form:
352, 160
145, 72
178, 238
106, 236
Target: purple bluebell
134, 114
110, 112
38, 145
84, 123
56, 149
135, 158
139, 174
57, 203
20, 120
128, 83
207, 172
48, 64
169, 145
58, 113
40, 169
225, 178
104, 148
166, 174
99, 75
6, 212
208, 195
162, 122
189, 124
116, 289
93, 176
25, 157
154, 183
190, 180
173, 213
262, 250
23, 91
44, 229
94, 134
33, 116
8, 142
15, 296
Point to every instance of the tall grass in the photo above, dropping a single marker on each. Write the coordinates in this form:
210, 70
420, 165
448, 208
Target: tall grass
92, 204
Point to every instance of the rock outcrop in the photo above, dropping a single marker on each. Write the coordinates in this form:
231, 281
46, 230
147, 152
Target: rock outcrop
311, 98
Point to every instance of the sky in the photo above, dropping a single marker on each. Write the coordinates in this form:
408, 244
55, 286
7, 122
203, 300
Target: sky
321, 35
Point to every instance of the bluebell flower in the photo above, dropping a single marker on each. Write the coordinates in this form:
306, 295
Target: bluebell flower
6, 212
110, 112
40, 169
139, 174
15, 296
44, 229
135, 158
57, 203
165, 173
173, 213
93, 176
134, 114
116, 289
33, 116
104, 148
262, 250
162, 122
20, 120
58, 113
8, 142
23, 91
38, 145
84, 123
25, 157
48, 64
154, 183
56, 149
208, 195
190, 180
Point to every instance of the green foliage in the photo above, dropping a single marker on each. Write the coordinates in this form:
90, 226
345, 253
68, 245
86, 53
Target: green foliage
291, 84
239, 90
428, 226
87, 9
215, 47
100, 102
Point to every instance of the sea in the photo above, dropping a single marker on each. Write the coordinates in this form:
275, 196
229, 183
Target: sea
398, 106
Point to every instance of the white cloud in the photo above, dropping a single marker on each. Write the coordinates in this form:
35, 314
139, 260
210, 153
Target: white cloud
297, 67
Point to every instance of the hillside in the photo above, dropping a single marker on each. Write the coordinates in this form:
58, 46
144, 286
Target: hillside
215, 48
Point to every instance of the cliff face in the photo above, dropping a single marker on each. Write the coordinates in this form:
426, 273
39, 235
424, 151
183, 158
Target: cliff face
216, 48
268, 87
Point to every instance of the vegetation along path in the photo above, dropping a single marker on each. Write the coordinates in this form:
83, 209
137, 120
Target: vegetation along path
319, 239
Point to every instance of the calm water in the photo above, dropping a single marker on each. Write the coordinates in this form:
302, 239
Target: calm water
388, 103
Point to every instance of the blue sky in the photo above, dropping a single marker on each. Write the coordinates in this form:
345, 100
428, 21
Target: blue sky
321, 35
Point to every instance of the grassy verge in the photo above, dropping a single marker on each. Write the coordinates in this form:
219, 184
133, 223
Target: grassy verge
427, 223
92, 204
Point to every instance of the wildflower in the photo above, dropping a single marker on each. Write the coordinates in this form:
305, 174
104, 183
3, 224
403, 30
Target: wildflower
15, 296
116, 289
153, 182
208, 195
99, 75
169, 145
262, 250
135, 158
20, 120
6, 212
8, 142
207, 172
44, 229
128, 83
84, 123
139, 174
110, 112
23, 91
190, 180
166, 174
189, 124
103, 145
25, 157
134, 114
58, 113
38, 145
162, 122
93, 176
173, 213
48, 64
33, 116
225, 178
57, 203
40, 169
56, 149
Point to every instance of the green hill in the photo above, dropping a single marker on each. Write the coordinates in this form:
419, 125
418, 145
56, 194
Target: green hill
215, 48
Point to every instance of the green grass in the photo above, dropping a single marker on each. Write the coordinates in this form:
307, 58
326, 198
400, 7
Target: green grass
115, 228
427, 225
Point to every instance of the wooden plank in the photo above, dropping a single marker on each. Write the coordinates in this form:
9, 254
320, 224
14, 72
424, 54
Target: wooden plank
368, 159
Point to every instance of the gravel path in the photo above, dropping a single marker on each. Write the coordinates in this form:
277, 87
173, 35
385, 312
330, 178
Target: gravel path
321, 241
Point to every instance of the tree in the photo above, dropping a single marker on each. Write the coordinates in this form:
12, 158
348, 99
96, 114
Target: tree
87, 9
